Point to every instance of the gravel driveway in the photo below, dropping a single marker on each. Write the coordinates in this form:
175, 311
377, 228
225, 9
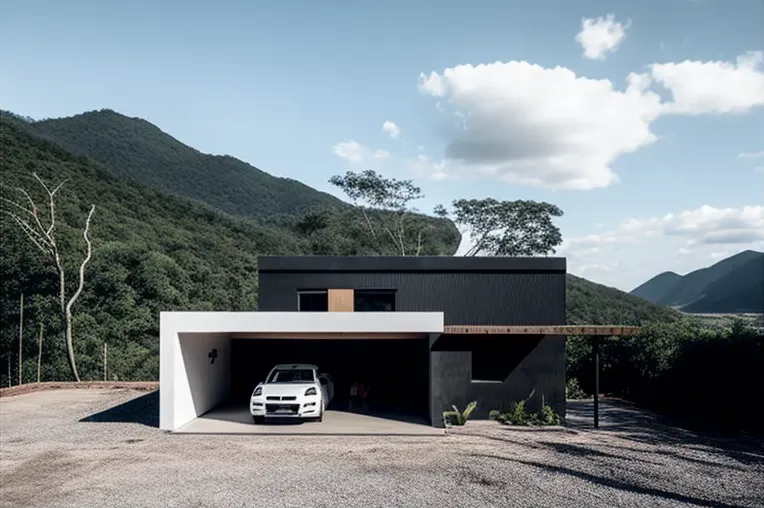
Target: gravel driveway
102, 448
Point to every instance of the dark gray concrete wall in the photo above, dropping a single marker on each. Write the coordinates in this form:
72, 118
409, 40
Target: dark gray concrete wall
531, 364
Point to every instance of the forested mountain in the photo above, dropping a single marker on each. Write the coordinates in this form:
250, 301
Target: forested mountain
589, 303
151, 252
138, 151
742, 290
655, 289
735, 284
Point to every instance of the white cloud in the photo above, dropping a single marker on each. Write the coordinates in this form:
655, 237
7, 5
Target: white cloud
680, 242
548, 127
703, 226
750, 155
713, 87
350, 150
393, 130
381, 154
425, 168
601, 36
759, 169
709, 225
527, 124
603, 267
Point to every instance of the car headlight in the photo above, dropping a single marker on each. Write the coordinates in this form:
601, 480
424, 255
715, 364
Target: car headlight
258, 391
310, 391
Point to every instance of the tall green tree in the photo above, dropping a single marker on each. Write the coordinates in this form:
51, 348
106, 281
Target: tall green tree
392, 228
506, 228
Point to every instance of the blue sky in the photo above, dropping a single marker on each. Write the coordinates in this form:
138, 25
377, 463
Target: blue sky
283, 84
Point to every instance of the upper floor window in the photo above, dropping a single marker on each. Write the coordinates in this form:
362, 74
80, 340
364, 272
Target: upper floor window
313, 300
374, 300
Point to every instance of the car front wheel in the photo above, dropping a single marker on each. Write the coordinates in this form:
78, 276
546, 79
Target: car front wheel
257, 419
321, 414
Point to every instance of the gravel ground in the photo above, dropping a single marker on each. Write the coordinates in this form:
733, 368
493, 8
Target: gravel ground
102, 448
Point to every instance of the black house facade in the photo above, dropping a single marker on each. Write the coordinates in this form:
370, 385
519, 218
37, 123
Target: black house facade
449, 368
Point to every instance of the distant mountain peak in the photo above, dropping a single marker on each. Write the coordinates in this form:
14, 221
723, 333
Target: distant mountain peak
733, 284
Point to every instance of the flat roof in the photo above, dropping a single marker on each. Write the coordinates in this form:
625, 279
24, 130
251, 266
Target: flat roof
418, 264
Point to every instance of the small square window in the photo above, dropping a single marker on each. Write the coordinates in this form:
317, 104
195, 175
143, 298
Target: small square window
313, 301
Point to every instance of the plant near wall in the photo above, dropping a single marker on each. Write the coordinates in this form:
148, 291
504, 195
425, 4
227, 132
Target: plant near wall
547, 416
456, 417
573, 390
519, 415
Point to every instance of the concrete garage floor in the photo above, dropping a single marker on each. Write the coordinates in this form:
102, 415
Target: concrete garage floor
237, 420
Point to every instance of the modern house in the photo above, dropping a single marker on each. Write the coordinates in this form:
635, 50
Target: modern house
423, 332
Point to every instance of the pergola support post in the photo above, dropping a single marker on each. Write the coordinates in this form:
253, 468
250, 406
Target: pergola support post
596, 351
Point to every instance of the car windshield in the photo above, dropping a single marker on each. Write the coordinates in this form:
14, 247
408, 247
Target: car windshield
291, 376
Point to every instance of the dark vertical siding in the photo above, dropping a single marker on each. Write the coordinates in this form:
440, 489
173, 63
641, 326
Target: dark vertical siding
464, 298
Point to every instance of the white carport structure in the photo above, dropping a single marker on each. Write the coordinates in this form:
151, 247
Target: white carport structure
195, 348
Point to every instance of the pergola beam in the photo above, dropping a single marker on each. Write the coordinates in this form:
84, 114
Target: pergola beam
592, 330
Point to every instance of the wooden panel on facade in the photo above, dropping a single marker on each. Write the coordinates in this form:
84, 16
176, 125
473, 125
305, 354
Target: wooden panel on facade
341, 300
544, 330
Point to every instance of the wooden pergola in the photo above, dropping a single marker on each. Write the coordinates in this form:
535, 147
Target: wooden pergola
596, 332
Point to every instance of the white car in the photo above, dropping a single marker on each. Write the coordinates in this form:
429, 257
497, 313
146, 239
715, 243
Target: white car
292, 391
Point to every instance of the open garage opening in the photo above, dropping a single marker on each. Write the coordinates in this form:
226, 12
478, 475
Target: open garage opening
393, 371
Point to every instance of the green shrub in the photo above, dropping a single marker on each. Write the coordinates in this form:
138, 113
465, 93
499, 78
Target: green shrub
573, 390
516, 416
519, 415
547, 416
494, 414
455, 417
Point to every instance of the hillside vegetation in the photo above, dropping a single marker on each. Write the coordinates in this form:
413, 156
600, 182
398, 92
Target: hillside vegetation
733, 285
151, 252
589, 303
655, 289
138, 151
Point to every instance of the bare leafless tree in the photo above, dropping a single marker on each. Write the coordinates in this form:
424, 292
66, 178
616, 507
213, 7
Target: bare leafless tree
25, 214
